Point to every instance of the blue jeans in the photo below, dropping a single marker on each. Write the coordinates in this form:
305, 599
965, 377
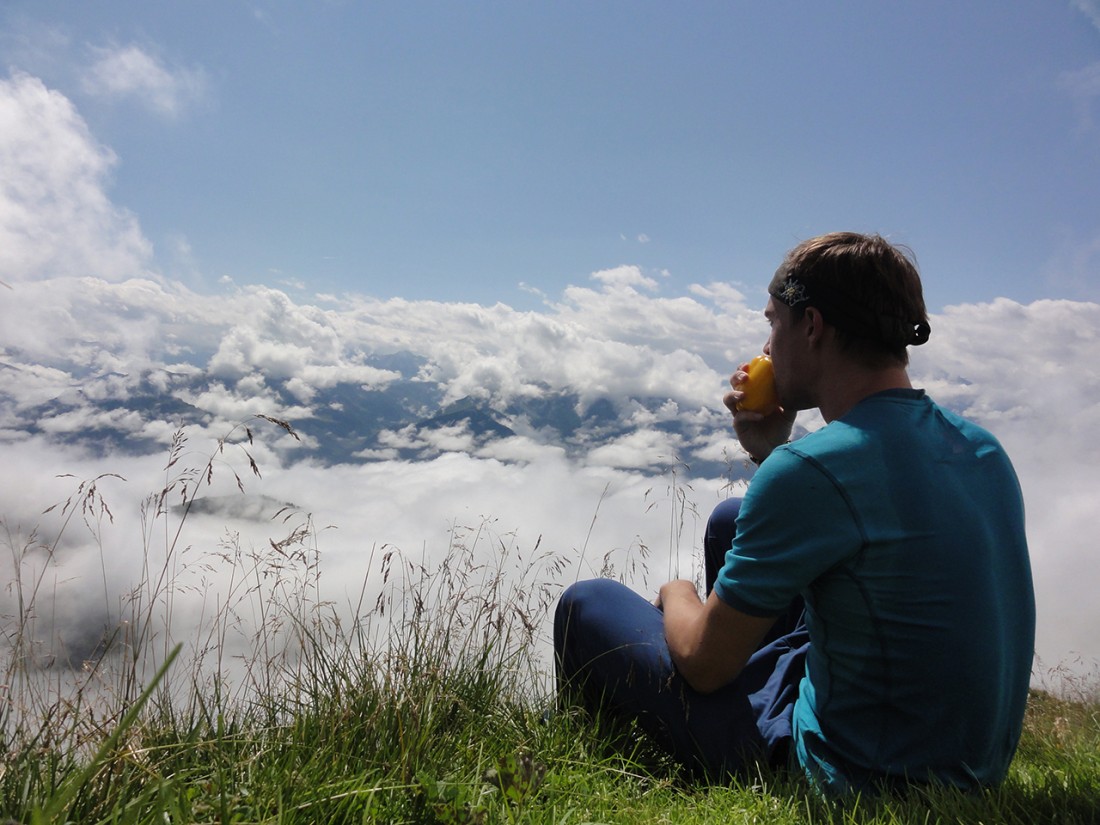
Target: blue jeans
611, 652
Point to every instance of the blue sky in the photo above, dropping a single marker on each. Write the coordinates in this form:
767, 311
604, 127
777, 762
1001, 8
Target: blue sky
496, 151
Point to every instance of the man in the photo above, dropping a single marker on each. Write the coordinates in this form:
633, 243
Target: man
899, 526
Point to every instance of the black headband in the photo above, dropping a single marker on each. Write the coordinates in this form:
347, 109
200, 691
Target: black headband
846, 313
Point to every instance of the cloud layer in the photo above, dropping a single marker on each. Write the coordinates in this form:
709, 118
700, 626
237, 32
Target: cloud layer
94, 340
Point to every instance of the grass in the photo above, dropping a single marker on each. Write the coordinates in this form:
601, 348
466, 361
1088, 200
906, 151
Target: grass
425, 708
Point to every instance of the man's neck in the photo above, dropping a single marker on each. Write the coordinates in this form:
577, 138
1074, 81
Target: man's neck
851, 385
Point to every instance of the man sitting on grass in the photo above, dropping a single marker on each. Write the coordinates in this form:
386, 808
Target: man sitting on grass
898, 527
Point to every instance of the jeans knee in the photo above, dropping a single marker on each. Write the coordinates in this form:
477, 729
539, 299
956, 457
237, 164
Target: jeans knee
574, 597
590, 591
572, 607
723, 517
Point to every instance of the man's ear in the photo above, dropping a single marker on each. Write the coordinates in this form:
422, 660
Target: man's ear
814, 328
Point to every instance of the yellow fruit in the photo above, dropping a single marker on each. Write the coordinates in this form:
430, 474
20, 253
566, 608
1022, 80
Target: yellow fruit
759, 387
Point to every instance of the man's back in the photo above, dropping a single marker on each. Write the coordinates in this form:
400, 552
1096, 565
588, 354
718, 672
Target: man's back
903, 527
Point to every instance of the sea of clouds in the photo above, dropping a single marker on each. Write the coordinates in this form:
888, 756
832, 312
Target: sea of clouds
86, 316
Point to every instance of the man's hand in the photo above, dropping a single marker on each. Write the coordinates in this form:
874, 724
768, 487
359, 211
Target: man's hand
758, 434
678, 591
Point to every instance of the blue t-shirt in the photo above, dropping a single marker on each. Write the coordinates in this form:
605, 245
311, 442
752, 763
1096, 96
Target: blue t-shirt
902, 525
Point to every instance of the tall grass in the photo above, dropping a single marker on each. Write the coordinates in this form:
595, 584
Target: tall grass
424, 703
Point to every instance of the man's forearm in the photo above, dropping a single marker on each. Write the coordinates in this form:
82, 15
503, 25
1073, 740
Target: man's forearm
683, 614
709, 642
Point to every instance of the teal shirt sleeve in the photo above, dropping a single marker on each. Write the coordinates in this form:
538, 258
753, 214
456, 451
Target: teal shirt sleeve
795, 523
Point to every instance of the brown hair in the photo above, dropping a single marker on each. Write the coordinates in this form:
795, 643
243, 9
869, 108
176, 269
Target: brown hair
868, 289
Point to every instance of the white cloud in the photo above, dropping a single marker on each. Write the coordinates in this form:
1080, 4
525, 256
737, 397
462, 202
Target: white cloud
231, 406
625, 277
519, 450
1083, 87
1090, 8
55, 216
119, 72
453, 438
724, 296
598, 342
642, 450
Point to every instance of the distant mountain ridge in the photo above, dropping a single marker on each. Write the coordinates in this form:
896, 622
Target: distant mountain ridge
351, 423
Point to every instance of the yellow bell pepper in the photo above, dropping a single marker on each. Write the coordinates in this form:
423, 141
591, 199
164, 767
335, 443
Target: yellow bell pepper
759, 388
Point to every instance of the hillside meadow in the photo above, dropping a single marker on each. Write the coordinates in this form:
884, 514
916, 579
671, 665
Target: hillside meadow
429, 705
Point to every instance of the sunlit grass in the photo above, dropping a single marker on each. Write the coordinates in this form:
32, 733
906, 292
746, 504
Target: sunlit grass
427, 706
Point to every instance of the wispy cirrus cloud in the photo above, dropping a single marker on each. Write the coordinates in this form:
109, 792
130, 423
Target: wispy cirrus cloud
133, 72
1090, 8
1083, 85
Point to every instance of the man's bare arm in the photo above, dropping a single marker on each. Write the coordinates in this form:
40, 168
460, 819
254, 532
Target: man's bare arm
709, 641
